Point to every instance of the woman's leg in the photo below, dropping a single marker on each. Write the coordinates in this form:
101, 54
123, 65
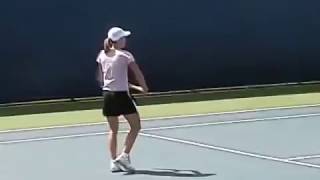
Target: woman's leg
114, 126
135, 126
124, 160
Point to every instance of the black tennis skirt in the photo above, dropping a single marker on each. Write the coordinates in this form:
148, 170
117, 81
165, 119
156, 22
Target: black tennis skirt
118, 103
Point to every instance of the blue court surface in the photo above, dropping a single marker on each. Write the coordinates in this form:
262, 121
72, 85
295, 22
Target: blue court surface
258, 145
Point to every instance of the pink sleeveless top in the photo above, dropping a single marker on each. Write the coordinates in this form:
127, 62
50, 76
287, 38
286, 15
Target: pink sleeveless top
115, 70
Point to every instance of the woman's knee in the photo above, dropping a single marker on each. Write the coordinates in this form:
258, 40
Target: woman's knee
134, 121
113, 125
136, 128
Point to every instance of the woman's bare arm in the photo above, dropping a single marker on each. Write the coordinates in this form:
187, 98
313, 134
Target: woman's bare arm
139, 76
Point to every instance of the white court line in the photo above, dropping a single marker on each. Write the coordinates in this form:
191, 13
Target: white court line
303, 157
232, 122
162, 128
160, 118
242, 153
51, 138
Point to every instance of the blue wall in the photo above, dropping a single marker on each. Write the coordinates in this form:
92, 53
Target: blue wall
48, 48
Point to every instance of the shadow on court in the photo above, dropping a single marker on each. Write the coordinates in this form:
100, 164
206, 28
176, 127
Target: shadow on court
171, 173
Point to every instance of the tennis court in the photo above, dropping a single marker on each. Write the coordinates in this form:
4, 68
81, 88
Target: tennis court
225, 90
269, 143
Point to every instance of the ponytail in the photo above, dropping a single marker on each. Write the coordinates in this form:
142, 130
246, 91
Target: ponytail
107, 45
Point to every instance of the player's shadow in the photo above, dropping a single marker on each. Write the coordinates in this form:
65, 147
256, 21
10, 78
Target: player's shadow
171, 173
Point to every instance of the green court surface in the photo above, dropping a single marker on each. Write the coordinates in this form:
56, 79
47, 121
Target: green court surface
76, 104
159, 110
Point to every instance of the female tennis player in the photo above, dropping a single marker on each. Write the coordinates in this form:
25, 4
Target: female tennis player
113, 63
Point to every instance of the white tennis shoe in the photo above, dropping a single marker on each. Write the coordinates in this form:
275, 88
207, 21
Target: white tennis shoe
123, 161
114, 167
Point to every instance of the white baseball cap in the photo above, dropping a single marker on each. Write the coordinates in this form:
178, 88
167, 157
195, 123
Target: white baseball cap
117, 33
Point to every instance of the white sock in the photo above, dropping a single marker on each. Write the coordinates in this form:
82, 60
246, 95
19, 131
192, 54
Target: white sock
123, 154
